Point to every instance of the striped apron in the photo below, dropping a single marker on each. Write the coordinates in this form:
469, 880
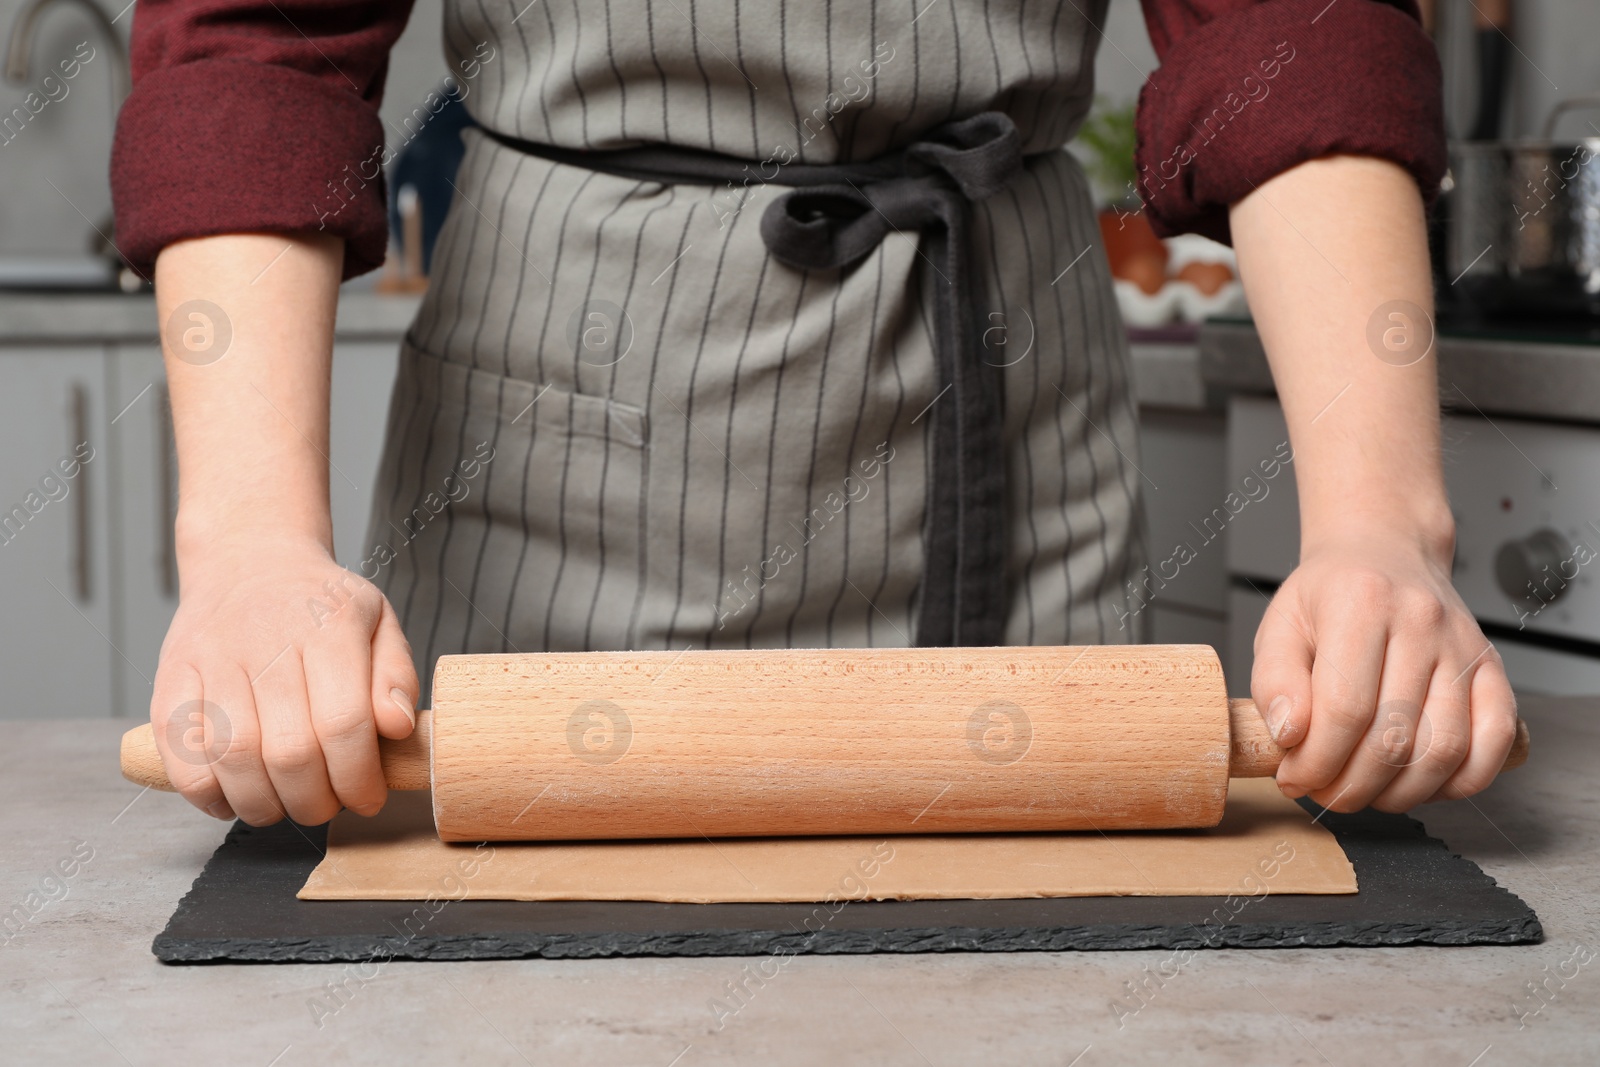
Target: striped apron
621, 422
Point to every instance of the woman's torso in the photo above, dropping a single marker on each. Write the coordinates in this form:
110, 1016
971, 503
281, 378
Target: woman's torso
742, 460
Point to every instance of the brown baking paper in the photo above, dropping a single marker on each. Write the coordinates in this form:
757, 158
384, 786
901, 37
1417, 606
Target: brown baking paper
1265, 844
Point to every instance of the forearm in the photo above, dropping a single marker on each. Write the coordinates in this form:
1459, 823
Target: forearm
1365, 429
290, 664
1368, 666
252, 422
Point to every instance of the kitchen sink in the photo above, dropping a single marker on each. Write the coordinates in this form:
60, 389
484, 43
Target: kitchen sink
65, 274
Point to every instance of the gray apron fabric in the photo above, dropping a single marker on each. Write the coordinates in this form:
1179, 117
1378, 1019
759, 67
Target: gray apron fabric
620, 423
836, 214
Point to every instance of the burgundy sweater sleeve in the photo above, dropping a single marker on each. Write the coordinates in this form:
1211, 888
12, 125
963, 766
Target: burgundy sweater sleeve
1250, 88
255, 115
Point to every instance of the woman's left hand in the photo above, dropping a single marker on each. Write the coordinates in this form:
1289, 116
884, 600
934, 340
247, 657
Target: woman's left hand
1371, 671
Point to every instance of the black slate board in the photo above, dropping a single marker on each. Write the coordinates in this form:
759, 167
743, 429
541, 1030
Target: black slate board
243, 908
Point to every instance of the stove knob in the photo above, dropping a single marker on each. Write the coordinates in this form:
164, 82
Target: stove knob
1528, 570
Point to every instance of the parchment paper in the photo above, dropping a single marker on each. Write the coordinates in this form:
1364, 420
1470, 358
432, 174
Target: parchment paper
1265, 844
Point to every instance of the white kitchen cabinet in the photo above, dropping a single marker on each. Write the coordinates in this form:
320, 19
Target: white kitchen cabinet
145, 493
88, 574
1177, 624
363, 378
55, 580
1264, 541
1184, 589
1247, 606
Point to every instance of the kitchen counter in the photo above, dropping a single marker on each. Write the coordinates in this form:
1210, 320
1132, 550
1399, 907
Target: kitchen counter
1168, 375
78, 983
1535, 377
105, 317
1532, 378
1165, 374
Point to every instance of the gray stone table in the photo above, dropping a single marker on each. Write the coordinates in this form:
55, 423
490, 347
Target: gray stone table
78, 984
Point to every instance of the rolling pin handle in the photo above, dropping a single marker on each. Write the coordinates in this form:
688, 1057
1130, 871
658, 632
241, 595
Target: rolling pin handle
1252, 753
405, 762
141, 760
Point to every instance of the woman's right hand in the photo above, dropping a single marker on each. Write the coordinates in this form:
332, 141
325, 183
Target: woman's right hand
281, 669
278, 675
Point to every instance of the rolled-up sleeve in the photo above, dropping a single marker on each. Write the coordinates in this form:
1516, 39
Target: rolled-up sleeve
250, 116
1250, 88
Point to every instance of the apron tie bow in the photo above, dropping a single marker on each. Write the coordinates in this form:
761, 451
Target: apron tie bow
835, 215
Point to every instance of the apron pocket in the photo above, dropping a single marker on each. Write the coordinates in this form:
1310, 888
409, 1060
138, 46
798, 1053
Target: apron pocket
511, 510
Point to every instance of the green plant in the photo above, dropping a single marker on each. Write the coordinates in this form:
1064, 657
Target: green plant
1108, 138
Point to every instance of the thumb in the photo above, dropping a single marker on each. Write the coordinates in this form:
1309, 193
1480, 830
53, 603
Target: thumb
394, 677
1280, 681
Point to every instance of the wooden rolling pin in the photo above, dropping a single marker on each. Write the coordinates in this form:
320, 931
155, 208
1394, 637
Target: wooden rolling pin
586, 745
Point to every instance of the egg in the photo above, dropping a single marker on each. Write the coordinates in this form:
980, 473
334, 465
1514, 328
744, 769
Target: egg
1145, 271
1206, 277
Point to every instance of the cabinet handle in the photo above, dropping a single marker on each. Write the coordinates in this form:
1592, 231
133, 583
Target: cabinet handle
166, 485
78, 402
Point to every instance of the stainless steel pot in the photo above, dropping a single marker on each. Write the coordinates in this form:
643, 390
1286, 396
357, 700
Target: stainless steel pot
1524, 222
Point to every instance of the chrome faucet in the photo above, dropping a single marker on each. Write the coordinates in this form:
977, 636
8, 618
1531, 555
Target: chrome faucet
24, 31
26, 28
